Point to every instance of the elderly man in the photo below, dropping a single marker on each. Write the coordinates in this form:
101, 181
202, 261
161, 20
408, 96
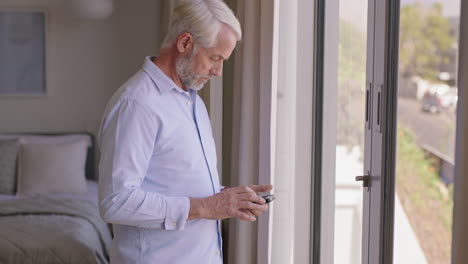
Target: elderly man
159, 185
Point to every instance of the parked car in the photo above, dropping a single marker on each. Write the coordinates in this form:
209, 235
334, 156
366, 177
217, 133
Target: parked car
439, 97
431, 103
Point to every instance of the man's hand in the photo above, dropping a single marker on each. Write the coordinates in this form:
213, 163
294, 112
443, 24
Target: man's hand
240, 202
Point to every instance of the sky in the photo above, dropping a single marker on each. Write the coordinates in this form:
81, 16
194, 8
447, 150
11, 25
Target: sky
355, 11
450, 7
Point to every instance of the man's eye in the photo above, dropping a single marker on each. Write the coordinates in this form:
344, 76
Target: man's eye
215, 59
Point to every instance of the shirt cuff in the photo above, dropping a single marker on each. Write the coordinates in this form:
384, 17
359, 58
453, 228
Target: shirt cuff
177, 210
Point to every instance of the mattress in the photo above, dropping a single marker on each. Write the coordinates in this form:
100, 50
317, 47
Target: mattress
53, 228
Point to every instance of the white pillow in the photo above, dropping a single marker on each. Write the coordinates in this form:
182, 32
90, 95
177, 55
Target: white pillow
52, 168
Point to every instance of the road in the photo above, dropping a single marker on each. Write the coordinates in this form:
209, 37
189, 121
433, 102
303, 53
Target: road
435, 130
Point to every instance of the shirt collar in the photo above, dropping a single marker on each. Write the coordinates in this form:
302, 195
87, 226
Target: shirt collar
162, 81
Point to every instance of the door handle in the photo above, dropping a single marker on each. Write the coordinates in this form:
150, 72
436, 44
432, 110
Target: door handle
365, 180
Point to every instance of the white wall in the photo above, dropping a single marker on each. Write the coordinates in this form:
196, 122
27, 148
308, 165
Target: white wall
87, 60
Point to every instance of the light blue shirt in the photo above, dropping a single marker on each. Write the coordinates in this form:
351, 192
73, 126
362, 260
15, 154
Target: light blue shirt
157, 150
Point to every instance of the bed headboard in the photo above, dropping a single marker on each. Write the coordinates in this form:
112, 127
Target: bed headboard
90, 157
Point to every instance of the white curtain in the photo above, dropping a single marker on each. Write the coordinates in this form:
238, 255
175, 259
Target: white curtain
291, 221
251, 155
272, 128
165, 13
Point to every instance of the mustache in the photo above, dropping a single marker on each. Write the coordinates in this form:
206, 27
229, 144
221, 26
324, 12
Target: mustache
202, 76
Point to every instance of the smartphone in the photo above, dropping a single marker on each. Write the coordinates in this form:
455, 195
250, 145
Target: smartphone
268, 198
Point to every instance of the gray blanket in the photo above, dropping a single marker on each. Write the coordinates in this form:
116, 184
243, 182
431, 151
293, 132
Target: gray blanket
48, 230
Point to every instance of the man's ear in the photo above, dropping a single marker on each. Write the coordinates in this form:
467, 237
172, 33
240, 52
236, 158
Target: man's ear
185, 43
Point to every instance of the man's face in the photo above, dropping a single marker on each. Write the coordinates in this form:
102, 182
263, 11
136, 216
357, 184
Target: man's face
198, 67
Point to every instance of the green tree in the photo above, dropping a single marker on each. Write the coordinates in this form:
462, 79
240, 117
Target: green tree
424, 40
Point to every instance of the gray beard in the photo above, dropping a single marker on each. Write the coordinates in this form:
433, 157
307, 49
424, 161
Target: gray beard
187, 77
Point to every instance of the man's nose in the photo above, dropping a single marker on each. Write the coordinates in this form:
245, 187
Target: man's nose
217, 70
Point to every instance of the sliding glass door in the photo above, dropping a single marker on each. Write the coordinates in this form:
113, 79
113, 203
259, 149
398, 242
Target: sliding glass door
427, 102
358, 108
387, 108
344, 115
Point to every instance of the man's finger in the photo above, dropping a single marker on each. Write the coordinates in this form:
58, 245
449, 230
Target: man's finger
253, 206
256, 212
252, 197
245, 216
261, 188
249, 212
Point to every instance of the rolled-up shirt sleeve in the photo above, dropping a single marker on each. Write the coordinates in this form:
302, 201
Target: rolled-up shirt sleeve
126, 139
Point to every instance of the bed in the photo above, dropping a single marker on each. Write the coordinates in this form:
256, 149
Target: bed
49, 200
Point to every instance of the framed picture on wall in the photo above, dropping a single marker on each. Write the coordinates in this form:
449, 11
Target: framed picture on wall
22, 52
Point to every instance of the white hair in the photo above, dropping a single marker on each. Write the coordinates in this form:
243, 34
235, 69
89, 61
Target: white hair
203, 19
